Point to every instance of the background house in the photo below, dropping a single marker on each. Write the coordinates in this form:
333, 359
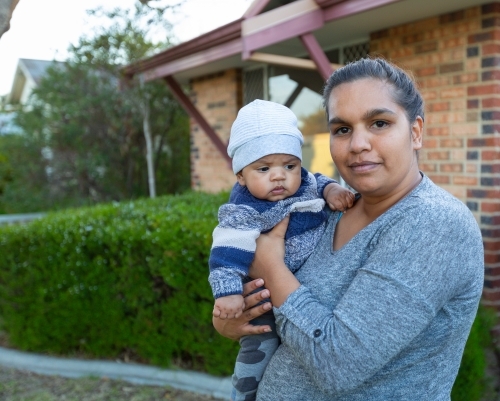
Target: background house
27, 77
283, 50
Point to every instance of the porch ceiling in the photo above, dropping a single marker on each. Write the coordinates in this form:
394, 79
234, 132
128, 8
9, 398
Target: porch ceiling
344, 30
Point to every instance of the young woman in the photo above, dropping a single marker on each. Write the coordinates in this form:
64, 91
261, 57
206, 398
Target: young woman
383, 306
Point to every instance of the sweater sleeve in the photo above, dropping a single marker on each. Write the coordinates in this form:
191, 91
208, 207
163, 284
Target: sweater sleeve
233, 248
415, 267
322, 181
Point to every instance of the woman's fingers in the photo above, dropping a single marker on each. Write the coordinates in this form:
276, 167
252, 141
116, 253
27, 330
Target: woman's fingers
241, 326
252, 300
252, 285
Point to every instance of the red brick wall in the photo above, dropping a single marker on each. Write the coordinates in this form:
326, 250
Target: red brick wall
455, 59
218, 98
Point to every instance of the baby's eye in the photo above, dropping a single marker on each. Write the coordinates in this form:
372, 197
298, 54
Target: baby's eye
263, 169
289, 166
341, 131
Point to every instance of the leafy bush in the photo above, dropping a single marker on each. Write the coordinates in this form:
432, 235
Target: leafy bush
113, 278
471, 383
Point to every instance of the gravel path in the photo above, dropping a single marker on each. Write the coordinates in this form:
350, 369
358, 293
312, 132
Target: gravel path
16, 385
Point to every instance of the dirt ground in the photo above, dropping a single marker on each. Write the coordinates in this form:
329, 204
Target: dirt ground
18, 385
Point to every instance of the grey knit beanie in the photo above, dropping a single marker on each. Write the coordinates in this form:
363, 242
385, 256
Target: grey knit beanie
263, 128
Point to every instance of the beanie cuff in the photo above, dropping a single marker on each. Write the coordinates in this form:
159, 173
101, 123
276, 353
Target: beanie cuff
261, 146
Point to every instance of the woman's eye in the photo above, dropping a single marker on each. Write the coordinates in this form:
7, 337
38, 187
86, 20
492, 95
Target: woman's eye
341, 131
289, 166
380, 124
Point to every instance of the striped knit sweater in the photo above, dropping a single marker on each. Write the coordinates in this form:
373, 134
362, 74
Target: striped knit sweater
245, 217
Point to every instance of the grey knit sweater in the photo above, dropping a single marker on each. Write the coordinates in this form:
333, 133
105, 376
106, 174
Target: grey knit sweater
386, 316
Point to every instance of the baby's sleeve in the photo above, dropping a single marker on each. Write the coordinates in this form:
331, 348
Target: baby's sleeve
322, 181
233, 248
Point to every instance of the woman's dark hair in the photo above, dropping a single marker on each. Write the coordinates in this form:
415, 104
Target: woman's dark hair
405, 92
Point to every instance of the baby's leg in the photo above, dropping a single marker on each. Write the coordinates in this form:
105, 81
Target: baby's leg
254, 355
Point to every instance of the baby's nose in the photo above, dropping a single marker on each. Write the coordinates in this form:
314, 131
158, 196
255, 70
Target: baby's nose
278, 174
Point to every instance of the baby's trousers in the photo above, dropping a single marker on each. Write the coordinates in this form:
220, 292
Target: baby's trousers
253, 357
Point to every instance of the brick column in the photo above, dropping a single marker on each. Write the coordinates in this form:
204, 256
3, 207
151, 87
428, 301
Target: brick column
484, 97
218, 97
455, 59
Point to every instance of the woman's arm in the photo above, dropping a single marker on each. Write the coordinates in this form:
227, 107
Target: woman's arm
412, 272
269, 264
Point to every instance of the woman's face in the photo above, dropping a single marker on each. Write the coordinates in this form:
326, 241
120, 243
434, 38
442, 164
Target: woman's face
371, 141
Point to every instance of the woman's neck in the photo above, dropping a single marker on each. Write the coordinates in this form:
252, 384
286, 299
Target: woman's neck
373, 205
368, 208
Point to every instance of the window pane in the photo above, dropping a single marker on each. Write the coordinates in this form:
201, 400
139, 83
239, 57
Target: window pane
300, 90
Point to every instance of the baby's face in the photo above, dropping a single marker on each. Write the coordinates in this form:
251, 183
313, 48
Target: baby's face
273, 177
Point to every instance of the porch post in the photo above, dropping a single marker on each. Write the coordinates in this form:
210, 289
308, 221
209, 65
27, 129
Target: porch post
294, 95
196, 115
317, 54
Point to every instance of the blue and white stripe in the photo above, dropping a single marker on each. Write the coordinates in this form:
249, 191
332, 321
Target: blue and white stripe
244, 217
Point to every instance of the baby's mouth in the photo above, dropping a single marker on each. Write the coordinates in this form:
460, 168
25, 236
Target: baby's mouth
278, 190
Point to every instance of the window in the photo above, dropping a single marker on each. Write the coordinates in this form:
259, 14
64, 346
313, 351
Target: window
300, 90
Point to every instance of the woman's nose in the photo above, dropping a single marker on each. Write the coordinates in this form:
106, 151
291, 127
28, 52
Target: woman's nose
360, 141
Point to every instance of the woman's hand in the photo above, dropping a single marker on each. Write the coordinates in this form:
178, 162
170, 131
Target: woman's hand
270, 250
269, 264
239, 327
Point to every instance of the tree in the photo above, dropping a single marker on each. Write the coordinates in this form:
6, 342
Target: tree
21, 163
91, 126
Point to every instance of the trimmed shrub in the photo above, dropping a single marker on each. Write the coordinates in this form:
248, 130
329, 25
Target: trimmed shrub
471, 383
113, 278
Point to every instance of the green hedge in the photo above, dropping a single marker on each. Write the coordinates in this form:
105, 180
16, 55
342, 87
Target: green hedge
471, 383
113, 278
133, 277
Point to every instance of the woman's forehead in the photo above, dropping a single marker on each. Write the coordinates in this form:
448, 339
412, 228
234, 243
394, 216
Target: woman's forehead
361, 96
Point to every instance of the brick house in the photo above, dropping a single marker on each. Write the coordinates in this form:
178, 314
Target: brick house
283, 50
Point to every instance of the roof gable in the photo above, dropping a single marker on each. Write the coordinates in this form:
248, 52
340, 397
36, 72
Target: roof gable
28, 72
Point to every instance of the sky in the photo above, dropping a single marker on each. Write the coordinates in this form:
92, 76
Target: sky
44, 29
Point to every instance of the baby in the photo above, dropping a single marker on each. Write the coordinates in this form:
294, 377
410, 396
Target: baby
266, 150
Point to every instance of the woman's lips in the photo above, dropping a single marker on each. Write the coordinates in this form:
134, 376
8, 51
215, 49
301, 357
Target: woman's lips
363, 167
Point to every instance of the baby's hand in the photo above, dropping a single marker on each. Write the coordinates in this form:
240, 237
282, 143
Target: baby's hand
229, 307
337, 197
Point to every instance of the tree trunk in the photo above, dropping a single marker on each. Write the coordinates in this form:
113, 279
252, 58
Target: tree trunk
149, 148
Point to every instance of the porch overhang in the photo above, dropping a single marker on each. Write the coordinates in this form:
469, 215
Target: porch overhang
342, 21
297, 33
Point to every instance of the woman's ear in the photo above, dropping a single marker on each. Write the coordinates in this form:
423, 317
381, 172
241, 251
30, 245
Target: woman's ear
417, 131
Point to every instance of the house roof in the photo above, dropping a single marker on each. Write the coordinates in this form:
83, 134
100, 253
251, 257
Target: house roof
28, 70
34, 69
273, 26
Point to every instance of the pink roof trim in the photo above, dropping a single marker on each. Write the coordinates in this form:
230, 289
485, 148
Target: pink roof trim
207, 45
351, 7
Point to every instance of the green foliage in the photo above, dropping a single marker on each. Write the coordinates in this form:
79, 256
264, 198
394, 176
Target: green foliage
471, 383
129, 277
22, 175
84, 124
5, 171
